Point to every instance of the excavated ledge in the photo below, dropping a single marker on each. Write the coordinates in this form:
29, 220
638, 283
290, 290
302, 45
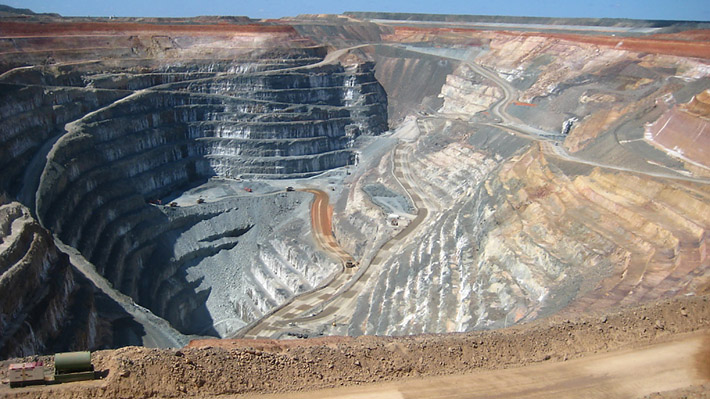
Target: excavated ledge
47, 306
89, 146
507, 225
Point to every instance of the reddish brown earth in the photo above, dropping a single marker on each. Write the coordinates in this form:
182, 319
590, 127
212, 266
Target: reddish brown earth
79, 29
693, 45
648, 44
696, 35
209, 368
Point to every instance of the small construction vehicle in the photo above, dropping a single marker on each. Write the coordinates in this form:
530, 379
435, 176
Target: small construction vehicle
289, 188
249, 190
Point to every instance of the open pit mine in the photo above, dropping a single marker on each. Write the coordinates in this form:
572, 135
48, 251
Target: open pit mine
457, 192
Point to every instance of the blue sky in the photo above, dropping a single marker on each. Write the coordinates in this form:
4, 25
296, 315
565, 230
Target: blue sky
698, 10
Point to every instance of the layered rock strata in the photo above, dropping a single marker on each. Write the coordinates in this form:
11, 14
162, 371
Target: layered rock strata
528, 235
89, 145
466, 92
517, 230
516, 226
47, 306
246, 120
411, 79
685, 130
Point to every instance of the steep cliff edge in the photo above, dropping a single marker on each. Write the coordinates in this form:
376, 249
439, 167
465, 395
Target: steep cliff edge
516, 227
47, 306
91, 146
533, 190
684, 130
100, 176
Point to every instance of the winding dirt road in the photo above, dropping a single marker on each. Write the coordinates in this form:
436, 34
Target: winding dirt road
322, 224
282, 318
335, 302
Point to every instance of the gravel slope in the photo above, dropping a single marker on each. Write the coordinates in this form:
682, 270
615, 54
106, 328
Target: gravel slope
222, 367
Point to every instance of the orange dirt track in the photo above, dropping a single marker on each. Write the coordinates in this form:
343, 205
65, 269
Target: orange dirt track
321, 217
322, 223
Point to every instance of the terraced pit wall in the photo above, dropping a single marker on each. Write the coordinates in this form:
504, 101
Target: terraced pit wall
517, 228
47, 306
87, 145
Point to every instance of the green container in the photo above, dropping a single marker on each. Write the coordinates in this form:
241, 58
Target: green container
72, 362
71, 377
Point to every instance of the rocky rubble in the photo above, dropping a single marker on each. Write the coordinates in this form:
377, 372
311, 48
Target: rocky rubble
219, 367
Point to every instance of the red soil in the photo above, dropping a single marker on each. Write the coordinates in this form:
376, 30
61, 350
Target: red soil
73, 28
694, 43
647, 44
697, 35
268, 345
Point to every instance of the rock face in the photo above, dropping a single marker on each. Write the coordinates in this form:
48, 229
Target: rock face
34, 117
519, 219
465, 92
526, 238
46, 305
86, 146
248, 121
685, 130
517, 229
411, 79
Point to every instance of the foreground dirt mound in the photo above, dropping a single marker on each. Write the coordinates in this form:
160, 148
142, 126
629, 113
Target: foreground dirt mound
220, 367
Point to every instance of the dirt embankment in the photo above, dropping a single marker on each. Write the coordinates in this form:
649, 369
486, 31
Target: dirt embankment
217, 367
83, 28
647, 44
694, 44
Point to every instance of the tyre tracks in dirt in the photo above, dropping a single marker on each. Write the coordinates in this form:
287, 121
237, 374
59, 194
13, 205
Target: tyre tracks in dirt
335, 302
